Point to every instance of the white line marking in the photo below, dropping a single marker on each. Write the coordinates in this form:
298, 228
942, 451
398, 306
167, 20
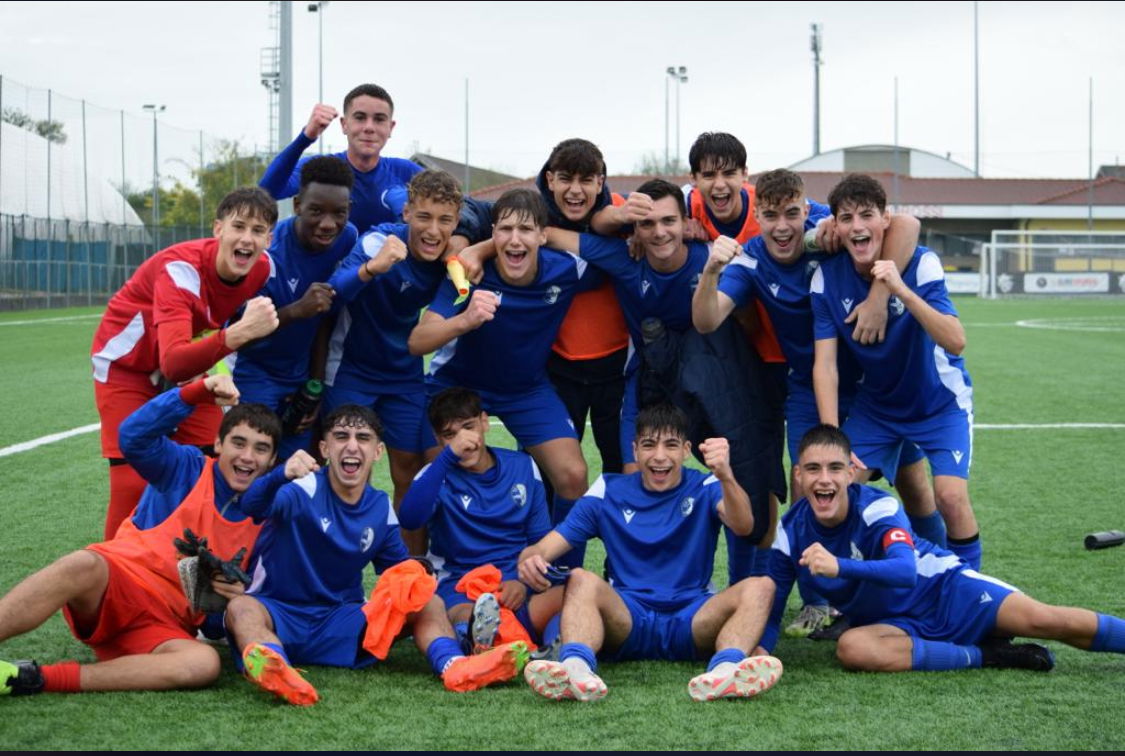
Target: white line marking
1044, 426
52, 438
36, 321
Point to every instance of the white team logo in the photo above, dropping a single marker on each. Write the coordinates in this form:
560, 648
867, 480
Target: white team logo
687, 505
957, 455
774, 288
847, 303
403, 286
367, 539
324, 523
985, 598
552, 295
856, 553
644, 286
519, 494
896, 306
628, 513
466, 500
499, 296
293, 284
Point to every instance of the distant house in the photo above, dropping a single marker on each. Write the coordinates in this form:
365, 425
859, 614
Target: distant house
478, 177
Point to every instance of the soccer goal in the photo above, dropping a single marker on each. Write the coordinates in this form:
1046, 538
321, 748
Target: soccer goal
1053, 262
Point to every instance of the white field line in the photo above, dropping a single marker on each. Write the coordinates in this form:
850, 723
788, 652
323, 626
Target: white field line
37, 321
52, 438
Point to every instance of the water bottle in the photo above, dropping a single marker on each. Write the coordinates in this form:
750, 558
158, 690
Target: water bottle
1105, 539
303, 402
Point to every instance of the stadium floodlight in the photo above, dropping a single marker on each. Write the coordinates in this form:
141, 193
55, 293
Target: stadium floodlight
155, 168
318, 9
679, 75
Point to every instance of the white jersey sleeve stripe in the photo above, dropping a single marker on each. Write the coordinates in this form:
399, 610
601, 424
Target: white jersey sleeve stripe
598, 489
880, 508
184, 275
307, 484
816, 285
781, 542
929, 269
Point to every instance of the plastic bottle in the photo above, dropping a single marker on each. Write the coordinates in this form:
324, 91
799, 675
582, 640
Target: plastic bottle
303, 402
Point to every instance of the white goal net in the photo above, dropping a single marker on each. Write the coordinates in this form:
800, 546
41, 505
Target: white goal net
1053, 262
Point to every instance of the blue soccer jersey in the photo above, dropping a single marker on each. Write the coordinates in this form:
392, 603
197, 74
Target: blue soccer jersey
659, 546
377, 196
368, 349
482, 518
283, 356
508, 354
314, 546
907, 376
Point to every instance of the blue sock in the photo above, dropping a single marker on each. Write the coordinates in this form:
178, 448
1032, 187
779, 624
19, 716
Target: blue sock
582, 651
552, 630
240, 667
441, 652
733, 655
1110, 635
931, 527
576, 556
461, 630
938, 656
967, 550
279, 649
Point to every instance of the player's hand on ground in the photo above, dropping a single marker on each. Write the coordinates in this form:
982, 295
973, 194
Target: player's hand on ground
694, 230
820, 561
533, 572
316, 300
258, 319
887, 272
482, 308
716, 455
828, 237
321, 118
513, 595
300, 464
723, 250
393, 251
870, 318
223, 389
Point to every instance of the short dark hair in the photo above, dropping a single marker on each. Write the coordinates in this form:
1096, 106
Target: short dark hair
326, 169
352, 416
824, 435
663, 417
451, 405
721, 149
525, 203
578, 157
436, 185
368, 90
659, 189
248, 200
859, 190
778, 186
258, 416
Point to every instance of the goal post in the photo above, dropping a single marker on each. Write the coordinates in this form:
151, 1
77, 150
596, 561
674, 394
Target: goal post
1053, 262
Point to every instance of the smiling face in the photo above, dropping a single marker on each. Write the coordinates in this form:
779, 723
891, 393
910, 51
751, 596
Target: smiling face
862, 228
367, 124
517, 238
242, 239
720, 185
351, 448
322, 213
660, 455
783, 227
431, 223
661, 234
575, 195
824, 473
243, 455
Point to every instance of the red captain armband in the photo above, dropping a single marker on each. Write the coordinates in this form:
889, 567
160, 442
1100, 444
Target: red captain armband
897, 535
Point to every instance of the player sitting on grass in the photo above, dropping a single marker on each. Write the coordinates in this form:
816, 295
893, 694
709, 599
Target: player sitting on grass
123, 598
912, 605
306, 603
482, 505
660, 527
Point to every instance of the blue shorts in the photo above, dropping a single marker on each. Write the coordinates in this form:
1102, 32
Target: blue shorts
403, 414
946, 440
658, 634
965, 613
627, 428
533, 417
801, 415
273, 394
326, 635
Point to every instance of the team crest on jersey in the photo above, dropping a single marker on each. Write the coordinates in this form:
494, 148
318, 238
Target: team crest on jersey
519, 494
856, 553
403, 286
628, 514
367, 539
466, 500
552, 295
293, 284
645, 286
687, 505
896, 306
847, 303
324, 523
774, 288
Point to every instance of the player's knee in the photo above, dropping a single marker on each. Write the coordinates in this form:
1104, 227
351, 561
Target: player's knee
582, 582
572, 479
755, 591
196, 668
854, 651
82, 569
952, 498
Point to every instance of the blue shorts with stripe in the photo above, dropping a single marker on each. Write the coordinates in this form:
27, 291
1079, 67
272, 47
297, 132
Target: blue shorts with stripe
965, 612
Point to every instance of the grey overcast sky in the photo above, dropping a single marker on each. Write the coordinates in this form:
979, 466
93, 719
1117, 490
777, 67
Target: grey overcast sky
541, 72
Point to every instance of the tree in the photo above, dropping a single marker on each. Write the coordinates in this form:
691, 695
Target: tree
652, 164
52, 131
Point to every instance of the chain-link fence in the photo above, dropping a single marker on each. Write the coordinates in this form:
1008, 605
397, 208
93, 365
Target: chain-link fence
87, 193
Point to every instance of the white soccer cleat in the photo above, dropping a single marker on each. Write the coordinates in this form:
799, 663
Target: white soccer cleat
751, 676
551, 680
486, 622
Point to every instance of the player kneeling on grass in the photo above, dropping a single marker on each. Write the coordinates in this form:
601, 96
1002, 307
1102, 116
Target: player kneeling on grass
912, 605
660, 526
123, 597
305, 605
482, 506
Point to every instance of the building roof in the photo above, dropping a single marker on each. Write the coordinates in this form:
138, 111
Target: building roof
478, 177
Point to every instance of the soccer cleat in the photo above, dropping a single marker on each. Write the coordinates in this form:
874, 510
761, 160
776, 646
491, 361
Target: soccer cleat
1001, 653
832, 632
486, 622
498, 664
811, 618
751, 676
551, 680
20, 678
550, 651
268, 670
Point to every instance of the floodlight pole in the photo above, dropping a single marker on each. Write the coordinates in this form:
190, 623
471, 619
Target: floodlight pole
679, 74
318, 9
154, 109
816, 88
